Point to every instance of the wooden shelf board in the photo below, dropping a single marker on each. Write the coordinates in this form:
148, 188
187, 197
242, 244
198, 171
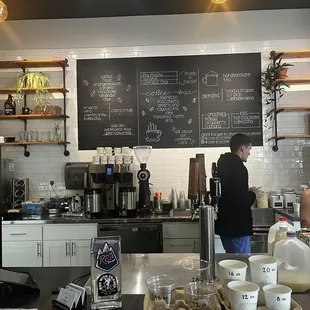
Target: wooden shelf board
33, 90
292, 108
24, 64
290, 137
293, 54
32, 116
297, 81
34, 143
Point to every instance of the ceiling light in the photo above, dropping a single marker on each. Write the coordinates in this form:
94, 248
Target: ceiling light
3, 12
218, 1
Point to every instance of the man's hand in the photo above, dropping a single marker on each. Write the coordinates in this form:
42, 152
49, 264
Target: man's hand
257, 190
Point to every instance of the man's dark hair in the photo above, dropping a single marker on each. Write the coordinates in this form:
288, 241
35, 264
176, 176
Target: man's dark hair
239, 140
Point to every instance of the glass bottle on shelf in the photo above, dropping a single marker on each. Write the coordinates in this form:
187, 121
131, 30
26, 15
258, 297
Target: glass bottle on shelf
10, 106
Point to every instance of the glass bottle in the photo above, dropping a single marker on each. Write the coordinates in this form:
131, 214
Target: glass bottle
106, 273
10, 106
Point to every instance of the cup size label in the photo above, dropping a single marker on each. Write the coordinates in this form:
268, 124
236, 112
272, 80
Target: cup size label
107, 285
106, 258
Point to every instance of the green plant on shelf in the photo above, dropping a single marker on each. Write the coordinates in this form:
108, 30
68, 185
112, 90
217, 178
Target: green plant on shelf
33, 80
273, 81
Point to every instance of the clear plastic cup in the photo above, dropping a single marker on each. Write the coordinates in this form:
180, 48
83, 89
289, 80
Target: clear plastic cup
243, 295
162, 291
200, 295
278, 297
195, 270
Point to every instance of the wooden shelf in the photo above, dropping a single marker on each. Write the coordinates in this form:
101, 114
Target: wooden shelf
33, 90
290, 137
296, 81
24, 64
290, 108
32, 116
291, 54
34, 143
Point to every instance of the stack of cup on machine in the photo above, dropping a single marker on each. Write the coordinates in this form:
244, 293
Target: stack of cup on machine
118, 156
262, 290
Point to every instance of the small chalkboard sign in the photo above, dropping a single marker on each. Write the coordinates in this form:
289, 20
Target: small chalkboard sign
169, 102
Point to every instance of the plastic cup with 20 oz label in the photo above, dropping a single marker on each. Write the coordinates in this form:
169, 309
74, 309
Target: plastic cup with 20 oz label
243, 295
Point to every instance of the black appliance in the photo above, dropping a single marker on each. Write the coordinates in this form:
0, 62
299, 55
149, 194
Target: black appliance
135, 237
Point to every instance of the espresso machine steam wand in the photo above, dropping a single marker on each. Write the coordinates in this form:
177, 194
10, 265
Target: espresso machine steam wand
207, 216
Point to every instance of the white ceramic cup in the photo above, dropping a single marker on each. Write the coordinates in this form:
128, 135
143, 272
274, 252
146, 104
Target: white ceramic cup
108, 150
117, 150
126, 150
278, 297
119, 159
264, 269
232, 270
127, 159
103, 159
243, 295
296, 207
96, 160
100, 151
111, 159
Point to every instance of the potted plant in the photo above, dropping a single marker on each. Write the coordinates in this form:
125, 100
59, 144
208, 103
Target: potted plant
273, 81
37, 81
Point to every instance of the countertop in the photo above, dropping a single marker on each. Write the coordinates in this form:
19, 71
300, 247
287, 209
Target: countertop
289, 214
136, 269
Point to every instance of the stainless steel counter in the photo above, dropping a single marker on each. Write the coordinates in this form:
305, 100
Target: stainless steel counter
138, 267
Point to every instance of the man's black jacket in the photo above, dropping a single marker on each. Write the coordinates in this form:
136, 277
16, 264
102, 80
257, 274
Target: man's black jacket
234, 214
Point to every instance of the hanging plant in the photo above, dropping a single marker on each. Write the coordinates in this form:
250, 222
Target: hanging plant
273, 82
33, 80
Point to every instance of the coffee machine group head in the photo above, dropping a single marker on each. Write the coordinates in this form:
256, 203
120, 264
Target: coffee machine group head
143, 154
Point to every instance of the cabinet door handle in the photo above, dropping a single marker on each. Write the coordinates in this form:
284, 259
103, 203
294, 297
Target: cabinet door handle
67, 249
39, 249
18, 234
73, 247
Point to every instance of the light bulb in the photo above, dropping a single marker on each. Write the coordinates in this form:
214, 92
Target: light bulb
218, 1
3, 12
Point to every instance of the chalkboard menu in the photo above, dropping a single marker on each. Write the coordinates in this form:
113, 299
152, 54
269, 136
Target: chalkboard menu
169, 102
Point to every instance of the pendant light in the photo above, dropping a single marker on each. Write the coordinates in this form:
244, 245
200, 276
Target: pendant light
218, 1
3, 12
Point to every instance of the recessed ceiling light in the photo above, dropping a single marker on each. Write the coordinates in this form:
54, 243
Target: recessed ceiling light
218, 1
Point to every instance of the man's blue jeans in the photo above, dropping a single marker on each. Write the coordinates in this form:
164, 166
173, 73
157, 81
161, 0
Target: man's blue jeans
236, 245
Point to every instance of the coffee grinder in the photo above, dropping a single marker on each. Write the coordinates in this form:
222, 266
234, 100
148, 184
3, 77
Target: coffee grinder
143, 154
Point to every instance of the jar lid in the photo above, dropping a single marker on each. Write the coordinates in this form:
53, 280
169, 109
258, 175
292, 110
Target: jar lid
291, 234
283, 219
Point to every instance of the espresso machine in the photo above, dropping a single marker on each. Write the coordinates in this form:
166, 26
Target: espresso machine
143, 154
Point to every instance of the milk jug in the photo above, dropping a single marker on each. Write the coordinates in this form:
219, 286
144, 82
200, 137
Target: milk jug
293, 263
273, 231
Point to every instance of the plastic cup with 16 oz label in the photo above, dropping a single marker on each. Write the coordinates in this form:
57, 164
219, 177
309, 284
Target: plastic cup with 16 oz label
243, 295
162, 291
278, 297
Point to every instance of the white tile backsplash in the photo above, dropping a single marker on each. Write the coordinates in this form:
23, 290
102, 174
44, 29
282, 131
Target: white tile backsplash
169, 167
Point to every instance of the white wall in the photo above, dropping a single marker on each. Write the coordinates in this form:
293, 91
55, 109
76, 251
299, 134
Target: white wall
289, 166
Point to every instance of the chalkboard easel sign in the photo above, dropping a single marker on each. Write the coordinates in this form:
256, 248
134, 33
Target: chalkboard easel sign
169, 102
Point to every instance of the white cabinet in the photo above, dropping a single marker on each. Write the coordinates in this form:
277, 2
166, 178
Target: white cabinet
180, 246
22, 254
56, 253
22, 245
184, 238
67, 245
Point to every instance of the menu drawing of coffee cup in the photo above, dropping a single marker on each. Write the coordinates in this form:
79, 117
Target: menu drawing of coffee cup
152, 133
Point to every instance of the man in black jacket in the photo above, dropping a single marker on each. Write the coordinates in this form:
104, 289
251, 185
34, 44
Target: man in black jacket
235, 224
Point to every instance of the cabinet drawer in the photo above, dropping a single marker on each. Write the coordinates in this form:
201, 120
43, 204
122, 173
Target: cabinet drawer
181, 230
21, 232
69, 231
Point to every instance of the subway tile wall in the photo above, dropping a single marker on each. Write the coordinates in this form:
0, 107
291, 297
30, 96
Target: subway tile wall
290, 166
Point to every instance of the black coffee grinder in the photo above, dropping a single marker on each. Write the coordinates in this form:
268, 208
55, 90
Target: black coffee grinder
143, 154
